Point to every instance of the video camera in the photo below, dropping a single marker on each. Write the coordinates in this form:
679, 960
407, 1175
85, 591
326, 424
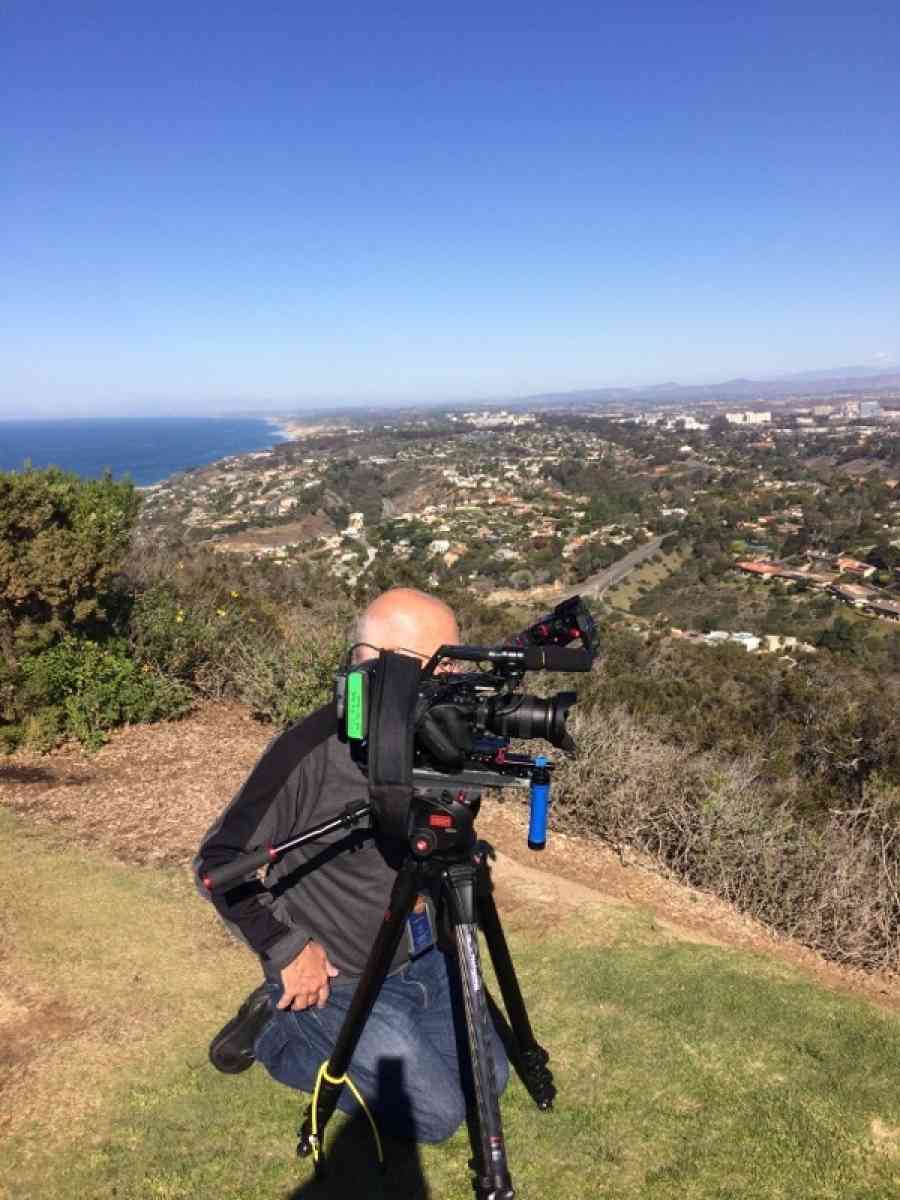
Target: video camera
435, 732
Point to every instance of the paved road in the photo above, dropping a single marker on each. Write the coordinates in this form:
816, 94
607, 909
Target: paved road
596, 585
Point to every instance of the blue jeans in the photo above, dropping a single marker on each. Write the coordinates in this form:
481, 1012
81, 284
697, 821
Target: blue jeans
411, 1062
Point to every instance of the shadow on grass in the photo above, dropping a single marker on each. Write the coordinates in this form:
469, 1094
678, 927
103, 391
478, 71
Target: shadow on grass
351, 1162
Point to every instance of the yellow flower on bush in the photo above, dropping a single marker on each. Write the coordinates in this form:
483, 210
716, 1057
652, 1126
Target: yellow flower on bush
220, 612
235, 595
179, 617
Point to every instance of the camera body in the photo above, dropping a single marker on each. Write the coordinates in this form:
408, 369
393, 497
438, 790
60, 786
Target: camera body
428, 728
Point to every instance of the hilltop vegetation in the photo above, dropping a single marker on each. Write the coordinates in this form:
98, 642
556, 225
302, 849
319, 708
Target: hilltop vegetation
96, 632
65, 669
101, 626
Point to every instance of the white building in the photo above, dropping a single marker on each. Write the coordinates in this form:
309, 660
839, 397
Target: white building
748, 418
749, 641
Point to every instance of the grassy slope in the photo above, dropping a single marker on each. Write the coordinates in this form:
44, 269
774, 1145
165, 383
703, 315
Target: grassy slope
746, 604
648, 574
684, 1071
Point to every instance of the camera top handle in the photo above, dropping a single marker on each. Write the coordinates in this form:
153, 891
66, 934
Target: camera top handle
540, 647
514, 659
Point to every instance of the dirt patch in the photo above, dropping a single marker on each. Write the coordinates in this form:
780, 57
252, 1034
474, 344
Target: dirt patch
151, 793
30, 1030
885, 1138
307, 529
27, 1027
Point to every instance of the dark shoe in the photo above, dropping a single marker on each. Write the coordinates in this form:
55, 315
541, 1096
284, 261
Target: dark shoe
231, 1050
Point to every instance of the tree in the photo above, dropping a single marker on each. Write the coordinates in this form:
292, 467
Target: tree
62, 541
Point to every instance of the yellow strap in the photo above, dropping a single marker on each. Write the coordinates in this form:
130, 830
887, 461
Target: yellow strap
334, 1081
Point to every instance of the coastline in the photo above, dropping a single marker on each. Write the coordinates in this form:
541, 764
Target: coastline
149, 450
284, 426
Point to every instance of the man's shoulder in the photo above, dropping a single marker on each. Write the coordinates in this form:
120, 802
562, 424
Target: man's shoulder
298, 747
308, 737
309, 758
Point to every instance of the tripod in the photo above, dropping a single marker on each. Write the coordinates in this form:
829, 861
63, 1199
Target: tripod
458, 865
444, 856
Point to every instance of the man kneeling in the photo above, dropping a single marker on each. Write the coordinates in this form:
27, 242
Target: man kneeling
315, 918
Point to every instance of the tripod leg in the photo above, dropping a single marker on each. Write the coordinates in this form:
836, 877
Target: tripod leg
532, 1058
400, 905
493, 1180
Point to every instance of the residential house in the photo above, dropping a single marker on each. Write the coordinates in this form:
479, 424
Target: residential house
852, 566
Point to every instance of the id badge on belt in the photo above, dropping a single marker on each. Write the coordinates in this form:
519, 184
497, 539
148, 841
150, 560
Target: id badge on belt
420, 926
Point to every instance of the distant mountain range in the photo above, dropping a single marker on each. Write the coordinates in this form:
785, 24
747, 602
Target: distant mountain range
802, 383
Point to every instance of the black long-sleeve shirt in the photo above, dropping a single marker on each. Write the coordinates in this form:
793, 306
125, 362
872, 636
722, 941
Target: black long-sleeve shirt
334, 890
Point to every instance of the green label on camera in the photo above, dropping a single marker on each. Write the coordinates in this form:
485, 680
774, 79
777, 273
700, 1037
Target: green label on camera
356, 706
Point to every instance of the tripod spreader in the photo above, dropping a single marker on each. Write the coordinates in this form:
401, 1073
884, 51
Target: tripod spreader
244, 864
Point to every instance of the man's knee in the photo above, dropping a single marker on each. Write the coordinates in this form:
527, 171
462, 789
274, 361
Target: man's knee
440, 1118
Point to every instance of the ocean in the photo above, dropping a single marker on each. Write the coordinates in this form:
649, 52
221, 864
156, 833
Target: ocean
147, 449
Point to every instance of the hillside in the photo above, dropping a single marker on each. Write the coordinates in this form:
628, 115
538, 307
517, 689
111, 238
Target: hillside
147, 797
696, 1055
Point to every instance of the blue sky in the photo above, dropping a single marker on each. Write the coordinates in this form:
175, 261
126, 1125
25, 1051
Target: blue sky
221, 206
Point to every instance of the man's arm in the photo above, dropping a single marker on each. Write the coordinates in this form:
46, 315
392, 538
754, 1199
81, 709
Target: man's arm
275, 802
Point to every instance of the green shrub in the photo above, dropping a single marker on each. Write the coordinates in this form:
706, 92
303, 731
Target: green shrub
283, 681
185, 638
82, 689
62, 541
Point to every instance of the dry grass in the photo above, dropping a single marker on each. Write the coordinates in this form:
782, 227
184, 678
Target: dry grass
710, 819
684, 1069
648, 574
102, 968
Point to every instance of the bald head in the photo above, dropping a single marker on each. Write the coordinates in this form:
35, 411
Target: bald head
406, 619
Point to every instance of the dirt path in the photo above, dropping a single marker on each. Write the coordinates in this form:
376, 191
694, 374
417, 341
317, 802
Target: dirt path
149, 795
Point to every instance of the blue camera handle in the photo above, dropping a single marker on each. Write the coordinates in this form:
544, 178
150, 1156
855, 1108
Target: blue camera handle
540, 804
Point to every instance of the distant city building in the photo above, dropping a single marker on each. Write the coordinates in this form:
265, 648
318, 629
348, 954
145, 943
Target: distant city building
869, 409
823, 410
850, 410
748, 418
493, 419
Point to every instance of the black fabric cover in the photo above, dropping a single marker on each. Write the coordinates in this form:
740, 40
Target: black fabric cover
445, 731
392, 702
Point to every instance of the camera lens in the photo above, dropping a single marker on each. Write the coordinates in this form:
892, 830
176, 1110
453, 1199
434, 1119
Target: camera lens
524, 716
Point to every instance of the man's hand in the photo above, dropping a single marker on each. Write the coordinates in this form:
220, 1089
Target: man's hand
306, 979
